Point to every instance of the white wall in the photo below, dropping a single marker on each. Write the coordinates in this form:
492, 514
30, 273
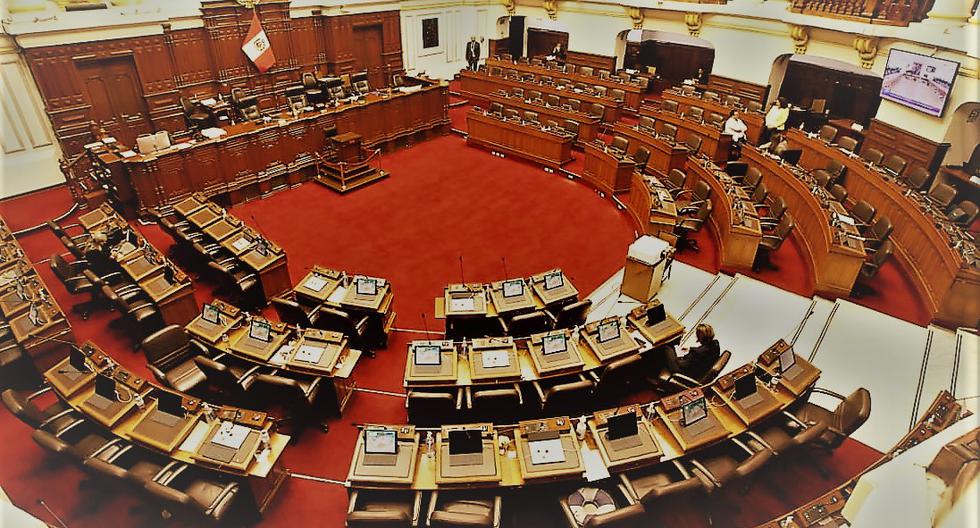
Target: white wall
457, 23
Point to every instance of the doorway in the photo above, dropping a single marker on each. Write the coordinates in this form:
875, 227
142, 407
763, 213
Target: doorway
117, 97
368, 46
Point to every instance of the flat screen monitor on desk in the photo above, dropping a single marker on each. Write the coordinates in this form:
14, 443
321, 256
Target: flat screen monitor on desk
656, 313
792, 156
211, 314
554, 344
622, 425
260, 331
553, 280
366, 286
427, 355
513, 288
170, 403
380, 442
694, 411
745, 386
608, 330
76, 358
787, 360
465, 447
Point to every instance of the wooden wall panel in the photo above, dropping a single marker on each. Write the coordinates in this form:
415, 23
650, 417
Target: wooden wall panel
602, 62
917, 150
193, 66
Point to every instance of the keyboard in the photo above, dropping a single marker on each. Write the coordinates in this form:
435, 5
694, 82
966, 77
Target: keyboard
468, 459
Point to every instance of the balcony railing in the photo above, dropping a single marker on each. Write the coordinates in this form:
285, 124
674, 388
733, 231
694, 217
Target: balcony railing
889, 12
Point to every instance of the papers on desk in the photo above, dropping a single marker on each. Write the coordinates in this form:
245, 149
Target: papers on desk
91, 146
495, 358
279, 358
595, 468
462, 304
126, 154
213, 132
846, 219
338, 295
210, 101
241, 244
547, 451
194, 440
314, 283
309, 354
230, 435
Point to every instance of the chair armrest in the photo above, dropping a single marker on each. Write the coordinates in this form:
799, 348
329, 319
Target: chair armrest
231, 487
744, 447
681, 469
416, 508
792, 418
169, 473
828, 392
707, 474
433, 499
459, 398
594, 376
626, 494
35, 394
503, 324
497, 506
110, 444
757, 438
811, 432
770, 237
361, 325
682, 379
58, 416
352, 501
246, 379
537, 388
627, 486
520, 395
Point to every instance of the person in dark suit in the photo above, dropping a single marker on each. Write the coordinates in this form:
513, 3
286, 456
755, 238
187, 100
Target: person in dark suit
698, 360
472, 53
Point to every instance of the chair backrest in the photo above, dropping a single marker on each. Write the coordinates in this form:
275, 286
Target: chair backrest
519, 92
784, 228
753, 177
60, 267
534, 95
715, 119
882, 255
847, 143
22, 408
696, 113
531, 116
495, 71
716, 368
760, 193
687, 89
597, 110
617, 374
586, 70
575, 104
573, 314
290, 311
872, 155
676, 177
670, 106
839, 193
882, 228
309, 81
710, 96
964, 213
216, 372
329, 318
546, 79
617, 94
641, 157
864, 211
647, 123
623, 517
851, 413
669, 131
566, 396
496, 108
828, 133
693, 143
571, 127
702, 191
731, 100
753, 106
426, 408
496, 401
166, 347
551, 123
186, 105
824, 179
894, 164
619, 143
523, 325
835, 168
601, 91
603, 74
778, 208
917, 178
818, 106
552, 100
511, 113
943, 195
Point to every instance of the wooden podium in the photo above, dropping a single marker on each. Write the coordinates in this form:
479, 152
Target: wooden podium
347, 165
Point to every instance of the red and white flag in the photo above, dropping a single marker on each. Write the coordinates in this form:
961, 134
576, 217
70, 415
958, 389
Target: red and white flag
257, 46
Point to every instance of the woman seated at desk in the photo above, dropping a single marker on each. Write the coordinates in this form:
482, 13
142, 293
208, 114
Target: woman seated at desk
776, 146
697, 361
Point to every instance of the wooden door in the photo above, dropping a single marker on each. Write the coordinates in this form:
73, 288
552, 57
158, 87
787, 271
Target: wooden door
368, 43
116, 95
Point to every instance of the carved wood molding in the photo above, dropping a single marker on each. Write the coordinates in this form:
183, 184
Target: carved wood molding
801, 37
694, 23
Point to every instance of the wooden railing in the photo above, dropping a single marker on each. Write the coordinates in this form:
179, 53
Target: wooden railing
889, 12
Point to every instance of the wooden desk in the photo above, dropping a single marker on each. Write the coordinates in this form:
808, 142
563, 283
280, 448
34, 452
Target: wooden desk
504, 305
447, 372
633, 93
608, 171
647, 452
612, 349
651, 205
798, 379
732, 216
555, 362
527, 431
715, 144
319, 284
483, 370
489, 472
546, 288
336, 289
480, 85
664, 156
751, 409
401, 474
835, 254
948, 282
754, 121
588, 126
549, 148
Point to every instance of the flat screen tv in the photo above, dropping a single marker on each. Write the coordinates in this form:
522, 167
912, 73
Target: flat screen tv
918, 81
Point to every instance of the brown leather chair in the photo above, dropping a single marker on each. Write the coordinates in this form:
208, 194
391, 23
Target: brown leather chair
563, 397
76, 441
715, 120
963, 214
836, 169
849, 415
828, 133
640, 157
572, 314
139, 313
196, 115
53, 417
708, 95
617, 377
688, 224
534, 95
531, 117
552, 100
647, 123
698, 195
731, 100
297, 395
597, 110
572, 127
675, 181
357, 327
872, 155
448, 509
942, 195
383, 509
655, 484
785, 432
670, 106
696, 114
292, 312
687, 89
839, 193
668, 132
523, 325
191, 493
230, 378
770, 243
917, 178
70, 274
617, 95
870, 267
753, 106
619, 144
627, 511
669, 382
777, 210
312, 89
847, 143
492, 404
824, 179
170, 357
880, 231
243, 287
575, 104
125, 462
751, 179
586, 70
863, 214
728, 462
693, 143
760, 195
432, 407
894, 165
247, 105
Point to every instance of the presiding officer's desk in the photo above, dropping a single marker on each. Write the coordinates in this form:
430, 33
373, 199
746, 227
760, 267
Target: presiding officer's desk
651, 205
754, 121
606, 169
306, 352
947, 277
632, 92
254, 159
522, 454
733, 215
715, 144
664, 154
588, 125
479, 85
835, 251
549, 147
133, 415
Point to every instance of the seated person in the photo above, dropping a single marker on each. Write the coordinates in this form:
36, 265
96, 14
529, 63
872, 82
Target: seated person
698, 360
776, 146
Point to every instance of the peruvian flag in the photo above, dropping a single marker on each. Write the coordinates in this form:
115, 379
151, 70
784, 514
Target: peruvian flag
257, 46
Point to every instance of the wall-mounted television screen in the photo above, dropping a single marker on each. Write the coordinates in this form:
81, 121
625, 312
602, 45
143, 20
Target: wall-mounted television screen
918, 81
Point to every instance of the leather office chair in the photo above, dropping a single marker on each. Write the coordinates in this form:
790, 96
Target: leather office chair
517, 92
511, 113
247, 105
641, 157
383, 509
294, 313
942, 195
777, 210
619, 144
710, 96
295, 99
76, 441
847, 143
573, 314
563, 397
785, 432
170, 357
138, 312
297, 395
125, 462
731, 100
527, 78
617, 377
693, 143
355, 326
62, 234
534, 95
432, 407
335, 88
715, 119
230, 379
839, 193
729, 462
655, 483
551, 124
311, 88
572, 127
863, 214
670, 106
359, 83
604, 74
647, 124
881, 229
189, 492
870, 267
196, 115
617, 95
669, 382
849, 415
456, 509
828, 133
241, 286
894, 165
547, 79
586, 70
70, 274
552, 100
917, 178
836, 169
688, 224
824, 178
770, 243
760, 196
695, 113
687, 89
626, 511
491, 404
963, 214
872, 155
752, 179
597, 110
575, 105
53, 417
753, 106
496, 71
531, 117
668, 132
675, 181
496, 109
523, 325
698, 194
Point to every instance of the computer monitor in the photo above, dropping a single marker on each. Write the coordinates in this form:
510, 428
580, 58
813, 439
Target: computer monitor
105, 387
465, 441
76, 358
211, 314
170, 403
656, 313
554, 343
513, 288
380, 441
745, 386
427, 355
260, 330
608, 330
366, 286
694, 411
621, 425
553, 280
262, 247
786, 360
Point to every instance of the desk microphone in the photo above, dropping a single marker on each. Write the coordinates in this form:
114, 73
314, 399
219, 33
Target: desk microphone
462, 279
503, 260
425, 326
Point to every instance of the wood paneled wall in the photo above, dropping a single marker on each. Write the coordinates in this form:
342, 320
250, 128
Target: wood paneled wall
917, 150
207, 61
541, 42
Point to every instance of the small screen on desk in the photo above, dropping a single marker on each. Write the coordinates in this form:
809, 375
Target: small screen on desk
608, 330
553, 280
77, 360
380, 441
554, 343
745, 386
170, 403
622, 425
365, 286
428, 355
260, 331
465, 441
694, 411
513, 288
105, 387
786, 360
211, 314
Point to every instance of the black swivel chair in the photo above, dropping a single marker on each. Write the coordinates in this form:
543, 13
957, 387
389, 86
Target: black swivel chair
170, 357
771, 243
312, 89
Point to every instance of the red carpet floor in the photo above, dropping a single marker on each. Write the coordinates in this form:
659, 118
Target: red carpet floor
444, 201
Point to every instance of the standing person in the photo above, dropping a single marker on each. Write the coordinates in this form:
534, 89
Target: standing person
558, 52
473, 53
735, 127
776, 117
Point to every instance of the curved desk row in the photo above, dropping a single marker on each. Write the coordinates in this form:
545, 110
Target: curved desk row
633, 91
195, 435
480, 85
733, 215
607, 169
588, 126
947, 278
715, 144
651, 206
525, 453
552, 148
665, 154
755, 121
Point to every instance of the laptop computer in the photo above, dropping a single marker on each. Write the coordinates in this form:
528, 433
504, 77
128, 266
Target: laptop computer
788, 367
465, 447
170, 409
694, 416
427, 358
380, 447
745, 391
622, 431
